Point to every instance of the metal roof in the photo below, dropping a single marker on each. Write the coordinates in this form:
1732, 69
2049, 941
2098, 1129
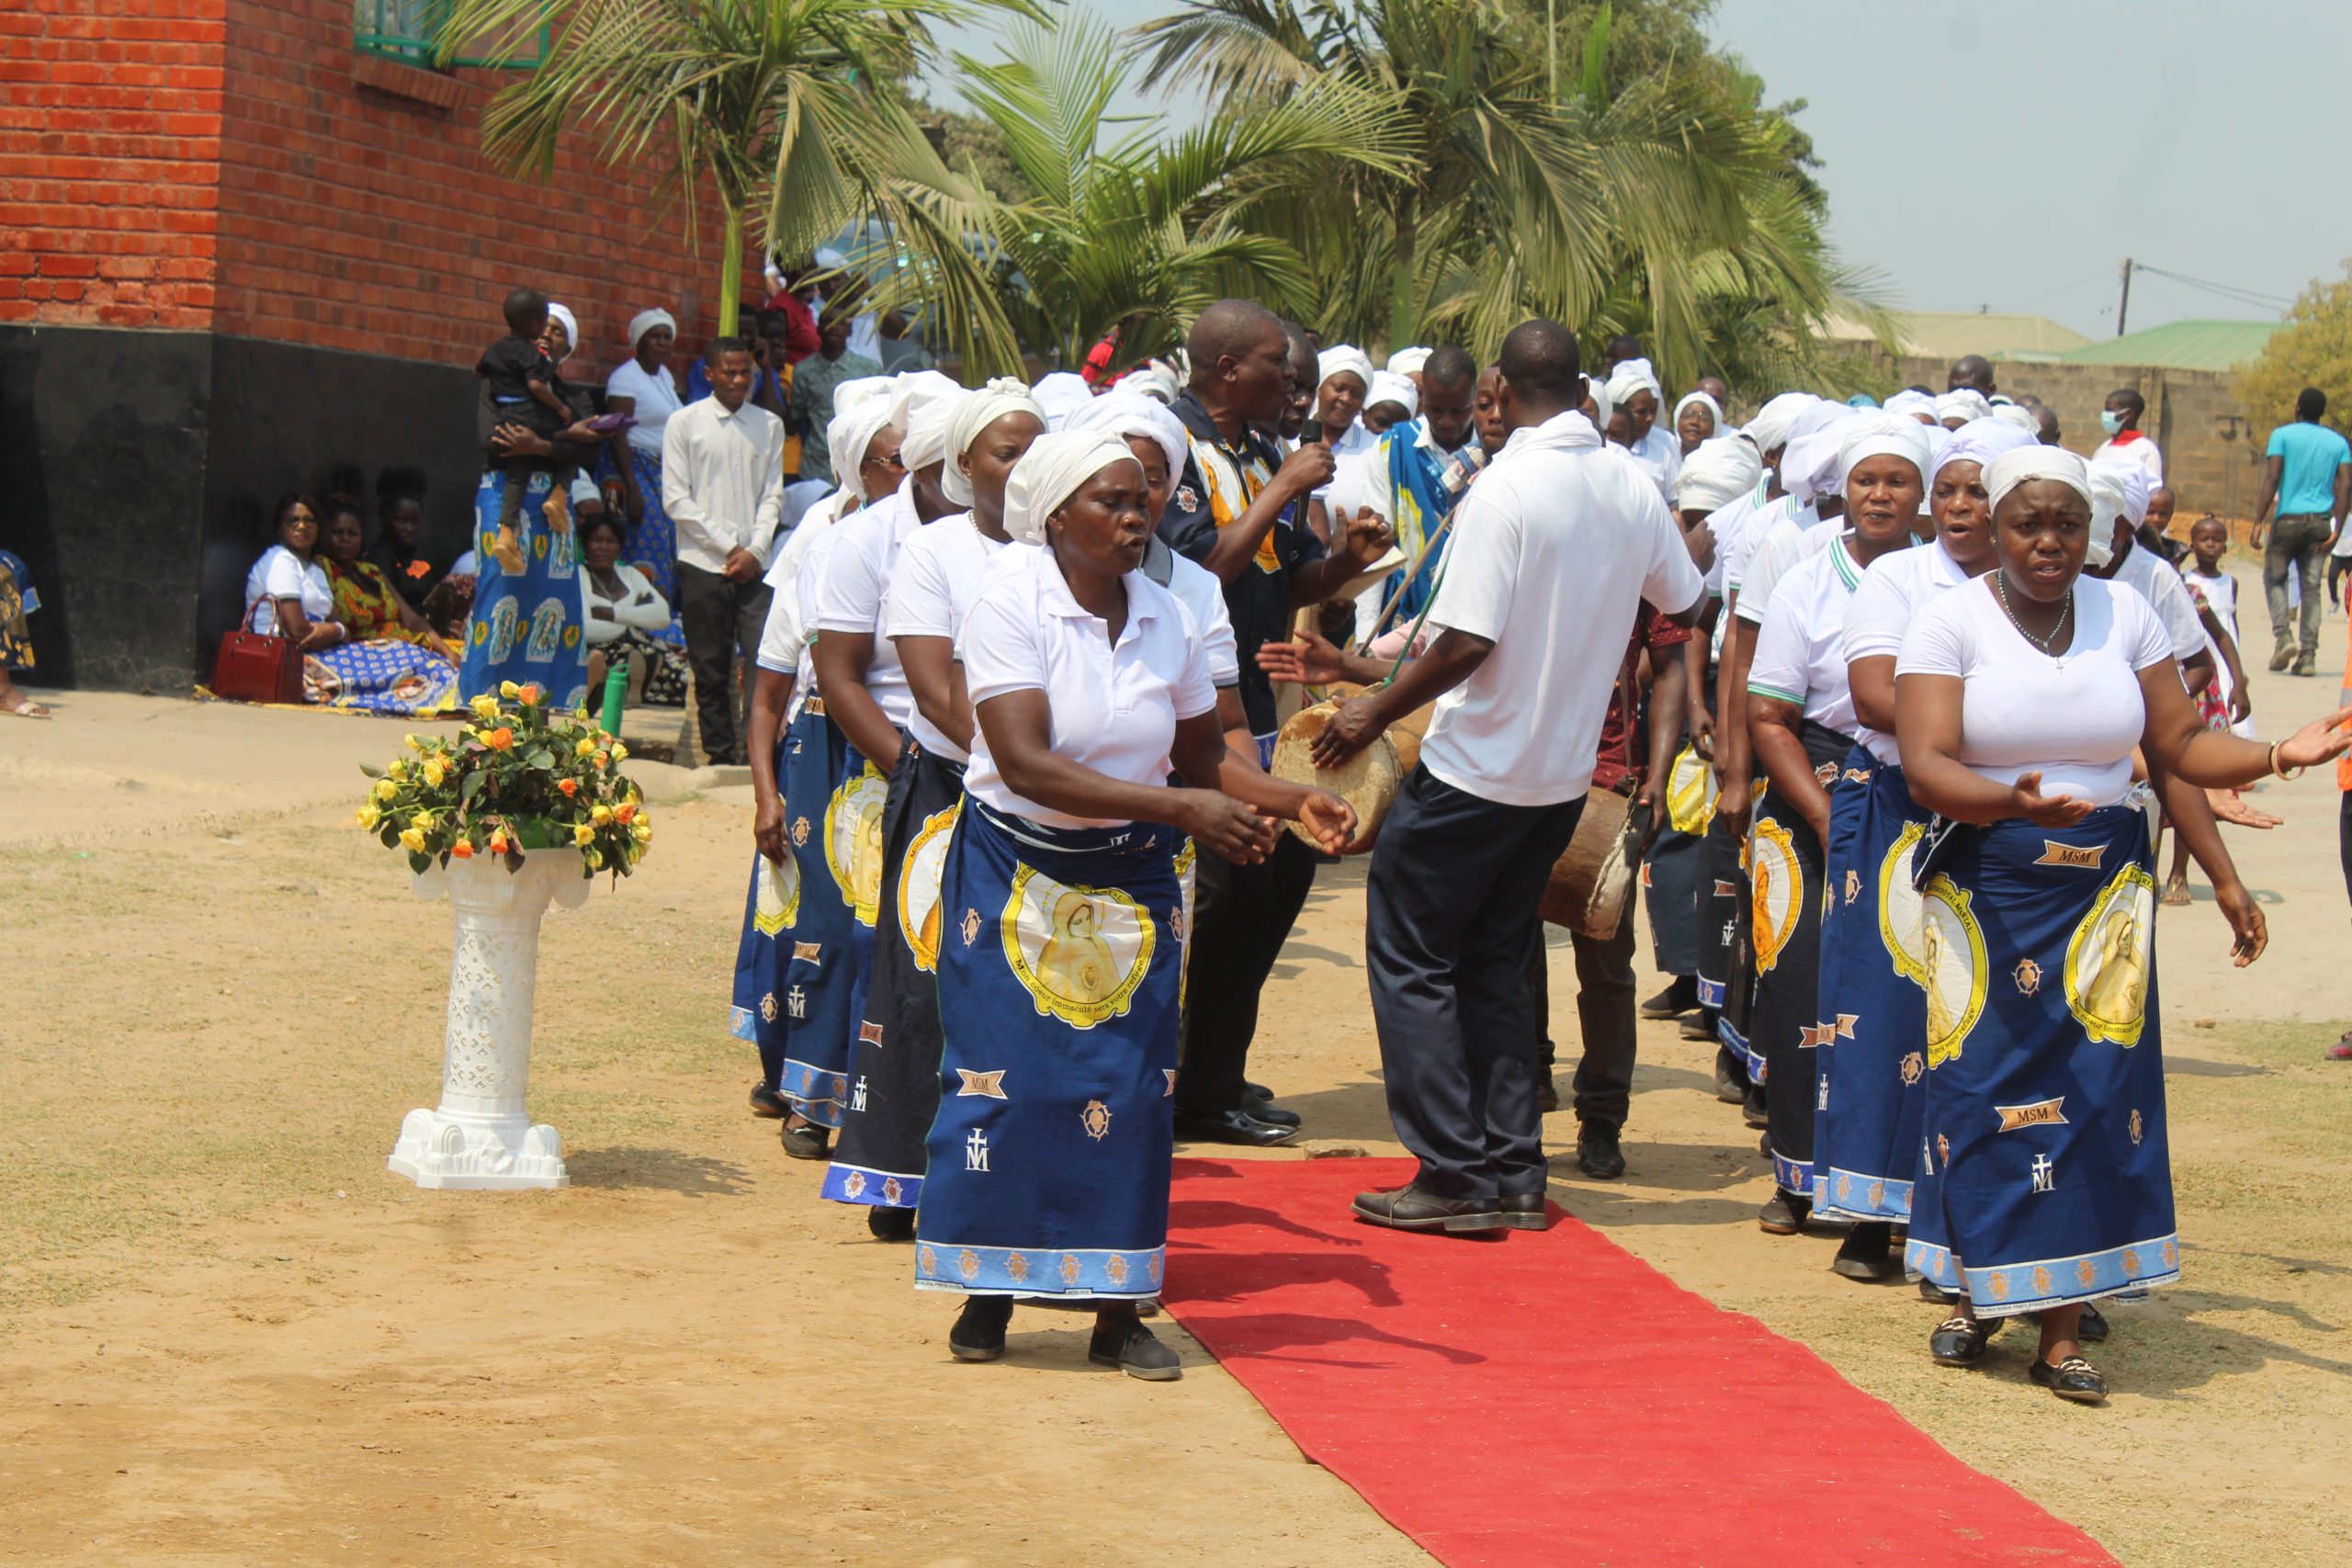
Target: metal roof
2181, 345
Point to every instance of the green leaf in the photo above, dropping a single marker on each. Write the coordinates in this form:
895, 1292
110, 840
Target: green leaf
541, 758
472, 786
371, 770
419, 862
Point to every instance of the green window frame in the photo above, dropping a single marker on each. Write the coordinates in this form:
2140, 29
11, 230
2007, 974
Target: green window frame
410, 32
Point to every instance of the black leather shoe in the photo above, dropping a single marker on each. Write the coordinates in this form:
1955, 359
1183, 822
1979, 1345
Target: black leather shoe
1680, 995
1699, 1025
1752, 1109
1547, 1093
766, 1102
891, 1224
1230, 1127
1931, 1291
1524, 1211
1784, 1215
1599, 1153
1864, 1255
1272, 1115
1256, 1091
2072, 1379
1127, 1344
2092, 1328
1410, 1208
1960, 1341
978, 1334
807, 1141
1731, 1077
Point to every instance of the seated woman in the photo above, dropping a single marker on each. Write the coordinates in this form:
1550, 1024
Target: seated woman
399, 517
366, 600
288, 595
2020, 697
17, 600
624, 614
1061, 918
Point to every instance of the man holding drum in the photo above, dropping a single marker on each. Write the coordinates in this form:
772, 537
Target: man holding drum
1553, 552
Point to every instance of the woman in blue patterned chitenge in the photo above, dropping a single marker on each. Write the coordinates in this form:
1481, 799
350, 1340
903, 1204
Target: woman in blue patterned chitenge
643, 388
17, 600
527, 628
2020, 697
1871, 1075
1061, 915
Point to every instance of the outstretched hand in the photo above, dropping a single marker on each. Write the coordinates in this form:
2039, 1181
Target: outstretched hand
1331, 819
2229, 806
1355, 726
1309, 659
2027, 800
2249, 932
2322, 739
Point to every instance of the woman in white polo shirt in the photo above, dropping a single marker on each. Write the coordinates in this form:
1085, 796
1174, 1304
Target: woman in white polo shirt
894, 1057
2021, 697
1061, 915
1818, 757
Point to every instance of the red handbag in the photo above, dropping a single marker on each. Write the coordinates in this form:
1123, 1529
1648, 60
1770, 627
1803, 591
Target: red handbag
256, 666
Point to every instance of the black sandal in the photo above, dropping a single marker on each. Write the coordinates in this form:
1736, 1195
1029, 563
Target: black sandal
2072, 1379
1784, 1215
1960, 1341
807, 1141
978, 1334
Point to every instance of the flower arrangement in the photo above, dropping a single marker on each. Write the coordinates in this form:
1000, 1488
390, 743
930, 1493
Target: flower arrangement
522, 777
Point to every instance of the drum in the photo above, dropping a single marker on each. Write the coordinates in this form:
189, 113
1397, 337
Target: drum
1367, 781
1592, 880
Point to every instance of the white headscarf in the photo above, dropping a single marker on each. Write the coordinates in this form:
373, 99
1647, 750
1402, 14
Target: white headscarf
2020, 415
1715, 412
1390, 387
1124, 413
1406, 361
1980, 441
1718, 471
1632, 376
1061, 394
1967, 403
2010, 470
2136, 483
974, 412
1050, 472
645, 322
1155, 381
1601, 404
1776, 420
1809, 465
860, 388
1344, 356
926, 429
848, 434
916, 389
571, 329
1882, 434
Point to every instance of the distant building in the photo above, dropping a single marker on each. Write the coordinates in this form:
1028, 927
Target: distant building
1948, 335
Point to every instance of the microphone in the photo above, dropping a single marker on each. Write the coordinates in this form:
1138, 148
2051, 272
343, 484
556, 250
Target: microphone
1311, 431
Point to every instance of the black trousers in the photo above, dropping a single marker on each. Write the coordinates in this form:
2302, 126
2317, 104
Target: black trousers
721, 619
1450, 922
1605, 1018
1241, 916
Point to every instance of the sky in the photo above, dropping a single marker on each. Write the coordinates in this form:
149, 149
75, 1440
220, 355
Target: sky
2008, 154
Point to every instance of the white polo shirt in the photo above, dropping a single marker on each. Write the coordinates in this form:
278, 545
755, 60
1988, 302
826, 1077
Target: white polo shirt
1893, 590
1202, 596
850, 594
1772, 553
1115, 706
932, 589
1801, 653
2161, 586
1554, 549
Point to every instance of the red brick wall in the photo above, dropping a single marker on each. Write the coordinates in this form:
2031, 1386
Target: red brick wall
363, 219
109, 173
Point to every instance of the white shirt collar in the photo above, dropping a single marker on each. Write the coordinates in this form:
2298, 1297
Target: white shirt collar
1566, 432
1055, 599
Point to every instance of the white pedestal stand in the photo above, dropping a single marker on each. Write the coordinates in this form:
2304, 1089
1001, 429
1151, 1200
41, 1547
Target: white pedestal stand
482, 1138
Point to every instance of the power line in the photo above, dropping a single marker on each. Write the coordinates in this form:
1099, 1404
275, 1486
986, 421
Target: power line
2090, 276
2234, 293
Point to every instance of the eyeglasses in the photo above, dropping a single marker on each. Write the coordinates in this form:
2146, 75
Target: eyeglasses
889, 465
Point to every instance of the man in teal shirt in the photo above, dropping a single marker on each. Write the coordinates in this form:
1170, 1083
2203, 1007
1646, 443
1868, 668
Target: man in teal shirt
2309, 479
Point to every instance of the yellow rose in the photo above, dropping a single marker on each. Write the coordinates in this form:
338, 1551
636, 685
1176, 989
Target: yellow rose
509, 690
386, 789
436, 770
642, 832
413, 841
585, 749
399, 768
414, 743
600, 815
620, 753
369, 816
596, 859
584, 834
424, 823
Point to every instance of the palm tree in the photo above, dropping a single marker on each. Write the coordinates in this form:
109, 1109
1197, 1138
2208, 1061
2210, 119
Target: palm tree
1653, 204
778, 110
1127, 230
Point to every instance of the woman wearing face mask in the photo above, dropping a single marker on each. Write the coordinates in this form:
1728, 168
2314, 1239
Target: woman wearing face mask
1802, 725
2021, 697
894, 1059
1061, 950
1869, 1084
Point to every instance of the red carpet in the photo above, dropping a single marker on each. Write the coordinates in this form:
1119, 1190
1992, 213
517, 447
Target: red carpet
1549, 1398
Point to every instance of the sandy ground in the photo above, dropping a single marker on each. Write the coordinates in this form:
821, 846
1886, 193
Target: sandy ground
227, 1334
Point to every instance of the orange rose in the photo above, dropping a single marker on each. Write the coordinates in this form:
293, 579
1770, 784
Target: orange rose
500, 739
604, 760
530, 694
463, 849
624, 812
499, 842
569, 787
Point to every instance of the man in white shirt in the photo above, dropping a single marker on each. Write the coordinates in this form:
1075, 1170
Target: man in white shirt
722, 484
1553, 552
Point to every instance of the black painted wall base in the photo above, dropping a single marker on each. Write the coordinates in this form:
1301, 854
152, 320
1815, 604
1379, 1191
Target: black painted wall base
138, 469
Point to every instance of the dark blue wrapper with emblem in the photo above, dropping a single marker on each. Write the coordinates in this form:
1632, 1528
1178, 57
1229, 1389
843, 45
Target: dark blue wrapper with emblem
1061, 957
1870, 1069
2043, 1125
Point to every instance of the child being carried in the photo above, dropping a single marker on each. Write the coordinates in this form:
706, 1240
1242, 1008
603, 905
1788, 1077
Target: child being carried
526, 391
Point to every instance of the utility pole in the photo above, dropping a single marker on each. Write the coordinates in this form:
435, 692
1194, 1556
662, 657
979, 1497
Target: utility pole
2123, 306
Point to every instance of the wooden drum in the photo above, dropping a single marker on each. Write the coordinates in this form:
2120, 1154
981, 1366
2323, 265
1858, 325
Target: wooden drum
1592, 880
1367, 781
